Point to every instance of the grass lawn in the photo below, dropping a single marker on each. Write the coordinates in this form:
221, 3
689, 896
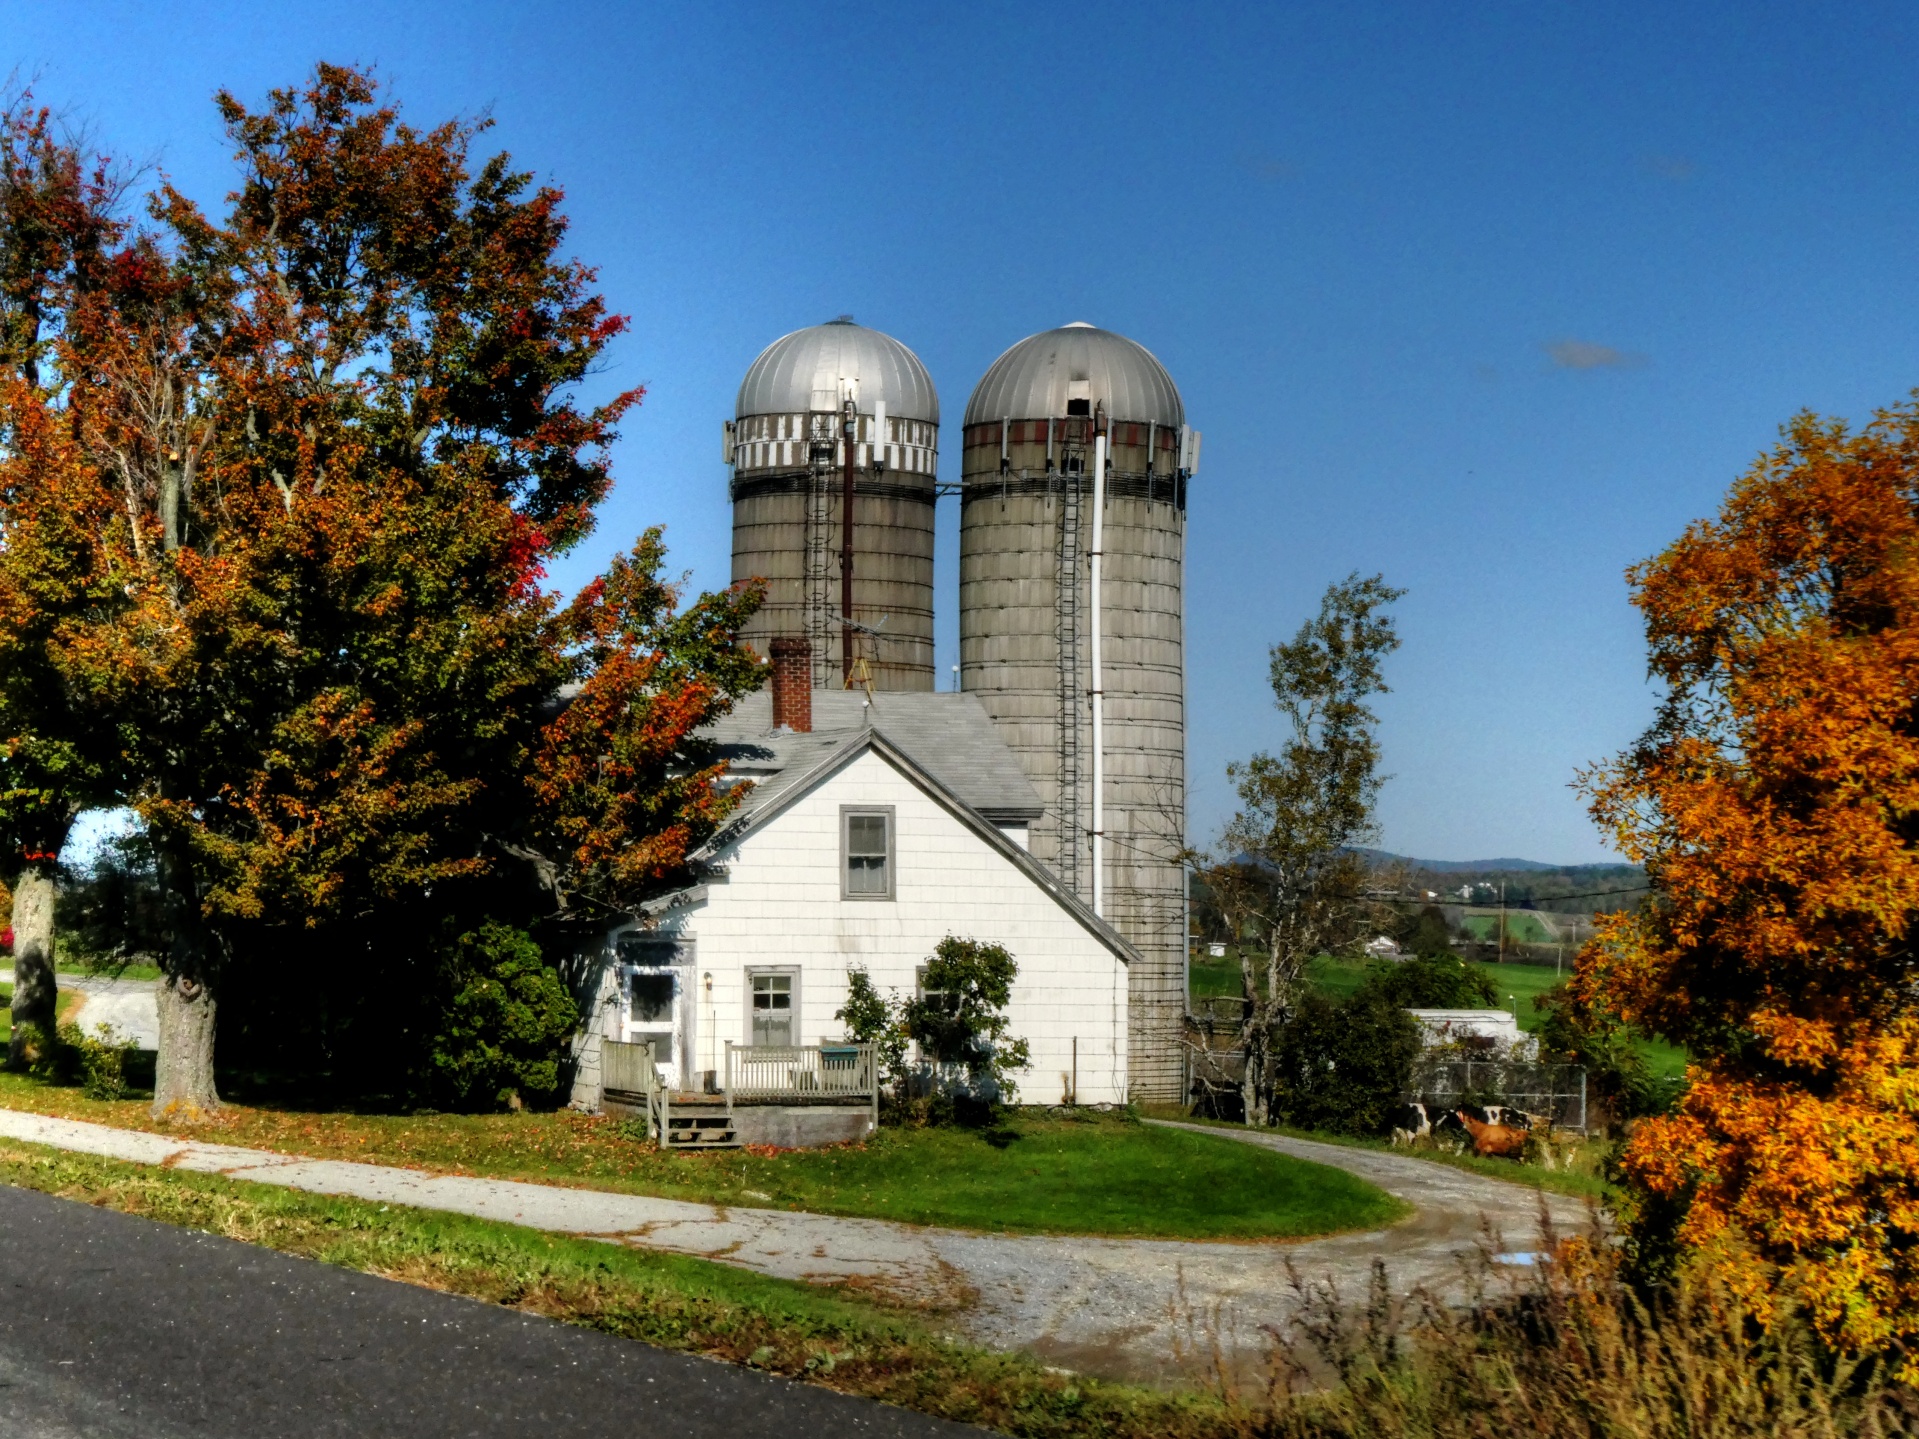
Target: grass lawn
1211, 977
832, 1338
126, 971
1091, 1174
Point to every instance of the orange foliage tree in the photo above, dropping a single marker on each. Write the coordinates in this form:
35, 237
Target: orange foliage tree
309, 460
57, 226
1775, 805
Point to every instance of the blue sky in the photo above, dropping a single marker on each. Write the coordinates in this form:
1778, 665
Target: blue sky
1492, 303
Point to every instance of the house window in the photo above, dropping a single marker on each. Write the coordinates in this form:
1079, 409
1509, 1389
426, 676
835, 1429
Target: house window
770, 1017
866, 849
652, 995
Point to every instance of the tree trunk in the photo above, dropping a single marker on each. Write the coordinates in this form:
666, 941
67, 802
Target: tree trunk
183, 1087
1249, 1089
33, 983
1255, 1102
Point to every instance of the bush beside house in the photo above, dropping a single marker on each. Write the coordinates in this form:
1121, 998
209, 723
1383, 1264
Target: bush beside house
957, 1025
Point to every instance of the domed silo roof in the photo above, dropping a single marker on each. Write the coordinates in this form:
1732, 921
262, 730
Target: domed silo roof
1033, 380
788, 372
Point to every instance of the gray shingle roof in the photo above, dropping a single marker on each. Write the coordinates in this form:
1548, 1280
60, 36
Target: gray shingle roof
783, 764
950, 736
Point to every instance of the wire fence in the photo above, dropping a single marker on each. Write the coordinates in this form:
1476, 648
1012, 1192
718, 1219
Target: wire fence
1553, 1092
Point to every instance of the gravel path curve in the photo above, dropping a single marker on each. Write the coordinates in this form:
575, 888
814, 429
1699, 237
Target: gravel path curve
1125, 1308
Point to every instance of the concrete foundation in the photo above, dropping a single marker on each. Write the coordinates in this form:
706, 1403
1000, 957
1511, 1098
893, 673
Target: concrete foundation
801, 1126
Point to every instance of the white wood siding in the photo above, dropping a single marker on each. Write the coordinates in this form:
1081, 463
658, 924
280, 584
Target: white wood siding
781, 905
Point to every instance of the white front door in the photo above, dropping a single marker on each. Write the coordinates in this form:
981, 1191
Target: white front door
656, 989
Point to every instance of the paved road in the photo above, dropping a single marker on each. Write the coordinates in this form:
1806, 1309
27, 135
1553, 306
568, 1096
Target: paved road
1116, 1307
117, 1326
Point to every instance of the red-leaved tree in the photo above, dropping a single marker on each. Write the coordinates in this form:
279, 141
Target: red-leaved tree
340, 431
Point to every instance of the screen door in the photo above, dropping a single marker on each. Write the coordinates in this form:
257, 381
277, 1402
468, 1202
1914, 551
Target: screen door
656, 984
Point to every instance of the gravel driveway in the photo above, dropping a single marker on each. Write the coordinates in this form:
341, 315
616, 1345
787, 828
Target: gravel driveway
1117, 1307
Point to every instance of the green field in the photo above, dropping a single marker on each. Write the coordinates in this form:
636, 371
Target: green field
1522, 927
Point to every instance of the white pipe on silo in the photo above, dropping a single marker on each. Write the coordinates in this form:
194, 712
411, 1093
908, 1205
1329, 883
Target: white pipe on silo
1097, 629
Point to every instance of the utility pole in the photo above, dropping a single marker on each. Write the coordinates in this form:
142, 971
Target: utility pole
850, 426
1502, 921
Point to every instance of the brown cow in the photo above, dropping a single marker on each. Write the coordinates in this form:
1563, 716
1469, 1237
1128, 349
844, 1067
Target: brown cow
1494, 1140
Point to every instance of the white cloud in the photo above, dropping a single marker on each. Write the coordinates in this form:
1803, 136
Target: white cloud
1584, 355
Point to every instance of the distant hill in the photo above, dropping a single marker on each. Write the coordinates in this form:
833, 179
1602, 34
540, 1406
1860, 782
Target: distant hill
1480, 866
1526, 883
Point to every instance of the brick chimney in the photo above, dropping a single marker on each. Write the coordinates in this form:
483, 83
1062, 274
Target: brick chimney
793, 683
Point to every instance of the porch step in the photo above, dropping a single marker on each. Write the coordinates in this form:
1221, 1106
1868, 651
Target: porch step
712, 1130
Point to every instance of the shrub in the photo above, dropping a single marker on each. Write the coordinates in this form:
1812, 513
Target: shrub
101, 1061
504, 1022
872, 1018
959, 1015
1343, 1067
1564, 1350
1435, 981
958, 1020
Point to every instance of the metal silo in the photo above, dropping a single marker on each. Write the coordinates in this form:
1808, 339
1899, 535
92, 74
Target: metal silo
786, 445
1062, 415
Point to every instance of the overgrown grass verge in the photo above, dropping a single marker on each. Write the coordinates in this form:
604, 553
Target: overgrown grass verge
1586, 1182
669, 1301
1571, 1352
1081, 1173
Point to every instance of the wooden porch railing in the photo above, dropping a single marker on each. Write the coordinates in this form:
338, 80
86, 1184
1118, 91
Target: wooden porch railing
804, 1074
765, 1074
628, 1068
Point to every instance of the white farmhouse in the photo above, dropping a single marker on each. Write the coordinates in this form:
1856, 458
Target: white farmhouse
900, 819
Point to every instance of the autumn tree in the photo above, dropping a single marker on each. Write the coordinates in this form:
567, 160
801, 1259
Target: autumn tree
57, 221
339, 429
1286, 874
1775, 805
624, 788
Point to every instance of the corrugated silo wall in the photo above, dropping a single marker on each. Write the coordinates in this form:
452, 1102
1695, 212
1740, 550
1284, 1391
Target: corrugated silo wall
892, 539
1012, 527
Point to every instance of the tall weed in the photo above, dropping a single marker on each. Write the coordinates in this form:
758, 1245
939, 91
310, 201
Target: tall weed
1562, 1348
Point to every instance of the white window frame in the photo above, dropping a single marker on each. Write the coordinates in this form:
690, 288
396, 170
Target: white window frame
754, 971
884, 811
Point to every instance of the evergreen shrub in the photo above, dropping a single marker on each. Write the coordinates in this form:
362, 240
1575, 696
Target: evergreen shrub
1344, 1066
503, 1025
